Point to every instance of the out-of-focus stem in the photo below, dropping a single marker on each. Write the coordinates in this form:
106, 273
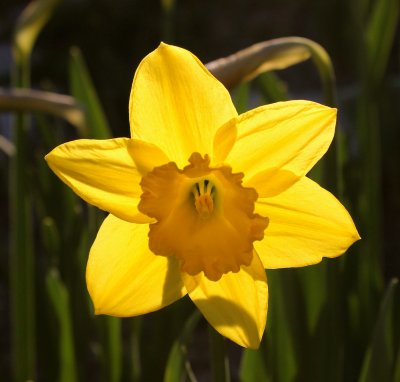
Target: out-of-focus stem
22, 285
219, 360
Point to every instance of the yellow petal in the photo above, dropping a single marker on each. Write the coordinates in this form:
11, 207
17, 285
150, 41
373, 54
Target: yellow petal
306, 223
124, 278
271, 181
236, 305
211, 212
177, 104
224, 140
103, 173
289, 135
146, 156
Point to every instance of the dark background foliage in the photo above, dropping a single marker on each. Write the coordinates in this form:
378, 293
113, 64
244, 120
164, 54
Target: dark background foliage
115, 35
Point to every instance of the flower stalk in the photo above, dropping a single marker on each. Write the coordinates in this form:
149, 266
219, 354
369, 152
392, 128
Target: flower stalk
219, 360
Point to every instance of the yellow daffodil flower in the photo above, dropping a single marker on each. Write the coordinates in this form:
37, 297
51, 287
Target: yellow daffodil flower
201, 199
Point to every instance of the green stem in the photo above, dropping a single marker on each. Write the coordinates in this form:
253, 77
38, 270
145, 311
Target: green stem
114, 348
168, 7
219, 360
136, 323
22, 286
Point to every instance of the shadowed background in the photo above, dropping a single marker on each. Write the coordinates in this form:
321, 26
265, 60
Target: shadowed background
113, 36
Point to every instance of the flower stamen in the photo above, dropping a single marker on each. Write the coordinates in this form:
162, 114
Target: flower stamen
205, 217
203, 192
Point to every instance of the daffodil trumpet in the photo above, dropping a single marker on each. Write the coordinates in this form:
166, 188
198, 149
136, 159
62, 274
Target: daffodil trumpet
201, 200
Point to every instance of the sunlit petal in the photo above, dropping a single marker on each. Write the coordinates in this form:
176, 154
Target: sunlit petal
103, 173
177, 104
204, 216
289, 135
306, 223
271, 181
146, 156
236, 305
124, 277
222, 196
224, 140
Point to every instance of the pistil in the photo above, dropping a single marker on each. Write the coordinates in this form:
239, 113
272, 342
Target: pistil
203, 192
205, 217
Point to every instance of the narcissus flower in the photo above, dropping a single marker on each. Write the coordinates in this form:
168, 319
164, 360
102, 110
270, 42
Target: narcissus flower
201, 200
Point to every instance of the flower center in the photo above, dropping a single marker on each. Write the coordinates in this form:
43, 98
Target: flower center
204, 216
203, 192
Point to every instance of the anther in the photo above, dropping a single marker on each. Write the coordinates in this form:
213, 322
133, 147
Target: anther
203, 192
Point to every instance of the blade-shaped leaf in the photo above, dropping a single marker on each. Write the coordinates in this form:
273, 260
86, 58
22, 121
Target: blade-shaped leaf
177, 364
241, 98
396, 372
379, 358
380, 34
272, 88
60, 300
29, 24
22, 259
83, 90
252, 366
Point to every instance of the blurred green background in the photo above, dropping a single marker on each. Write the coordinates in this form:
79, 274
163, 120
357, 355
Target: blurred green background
336, 321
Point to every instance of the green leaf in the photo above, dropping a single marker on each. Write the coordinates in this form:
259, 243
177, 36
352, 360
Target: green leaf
378, 361
22, 259
284, 324
83, 90
167, 20
252, 366
241, 98
113, 348
60, 300
396, 373
379, 35
220, 371
134, 347
51, 236
313, 283
273, 89
177, 364
29, 25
